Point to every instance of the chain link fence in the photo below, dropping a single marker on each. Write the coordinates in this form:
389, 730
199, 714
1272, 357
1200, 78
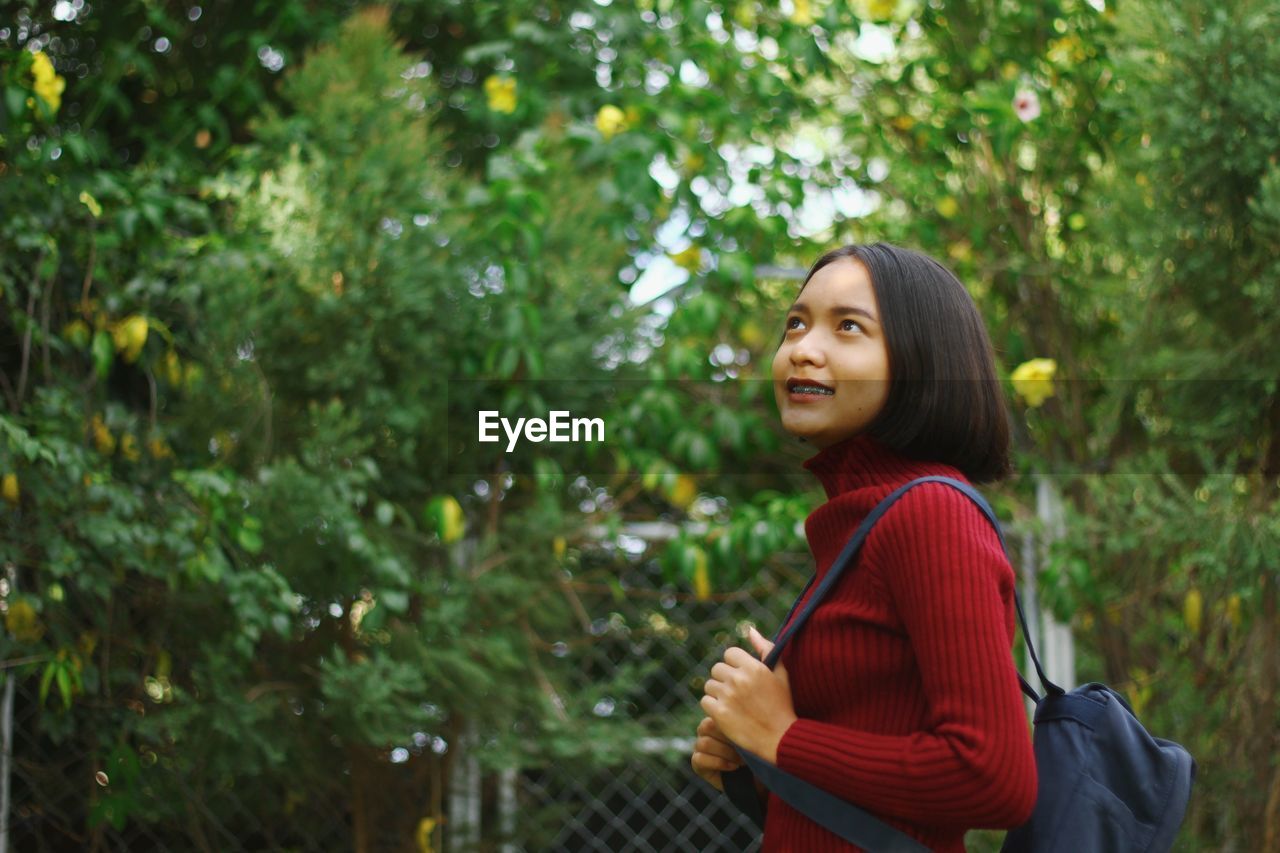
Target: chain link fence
651, 801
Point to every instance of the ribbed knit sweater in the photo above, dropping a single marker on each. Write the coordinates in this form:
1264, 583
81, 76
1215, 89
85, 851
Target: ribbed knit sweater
903, 678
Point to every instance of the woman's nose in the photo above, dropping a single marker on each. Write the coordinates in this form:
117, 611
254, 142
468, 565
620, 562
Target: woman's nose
807, 350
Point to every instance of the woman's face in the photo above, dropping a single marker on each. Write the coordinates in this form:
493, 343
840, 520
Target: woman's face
832, 338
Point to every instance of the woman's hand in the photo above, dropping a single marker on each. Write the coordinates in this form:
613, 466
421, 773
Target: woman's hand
750, 703
713, 754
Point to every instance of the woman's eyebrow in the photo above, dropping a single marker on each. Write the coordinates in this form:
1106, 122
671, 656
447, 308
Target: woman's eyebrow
839, 311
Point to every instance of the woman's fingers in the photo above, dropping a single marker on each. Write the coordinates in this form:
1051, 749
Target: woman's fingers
713, 744
718, 749
707, 763
713, 754
712, 776
710, 761
709, 728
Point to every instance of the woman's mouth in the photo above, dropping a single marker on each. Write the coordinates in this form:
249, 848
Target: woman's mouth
807, 391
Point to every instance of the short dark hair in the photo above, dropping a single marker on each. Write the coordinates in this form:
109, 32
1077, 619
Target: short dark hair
945, 403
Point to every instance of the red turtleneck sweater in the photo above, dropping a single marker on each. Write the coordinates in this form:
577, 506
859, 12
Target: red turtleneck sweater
903, 679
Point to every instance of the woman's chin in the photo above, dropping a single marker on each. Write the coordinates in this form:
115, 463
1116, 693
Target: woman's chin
803, 432
802, 424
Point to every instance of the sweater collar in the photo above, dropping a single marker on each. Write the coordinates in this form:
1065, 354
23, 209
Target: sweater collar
858, 461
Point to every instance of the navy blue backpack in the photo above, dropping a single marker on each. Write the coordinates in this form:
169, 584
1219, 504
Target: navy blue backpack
1105, 784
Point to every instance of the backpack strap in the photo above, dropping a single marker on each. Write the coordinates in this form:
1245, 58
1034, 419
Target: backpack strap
839, 816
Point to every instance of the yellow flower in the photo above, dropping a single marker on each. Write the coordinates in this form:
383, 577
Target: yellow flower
23, 622
171, 368
159, 448
1139, 694
452, 523
875, 10
690, 258
446, 515
948, 207
426, 826
130, 335
129, 447
1066, 50
1233, 610
1033, 380
683, 491
960, 251
77, 333
751, 334
803, 14
102, 437
701, 581
692, 164
501, 92
558, 545
610, 121
223, 442
9, 488
48, 83
1193, 609
90, 202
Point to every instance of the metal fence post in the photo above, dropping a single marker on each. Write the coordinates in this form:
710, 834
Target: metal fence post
1058, 646
1031, 606
464, 794
507, 808
464, 779
6, 732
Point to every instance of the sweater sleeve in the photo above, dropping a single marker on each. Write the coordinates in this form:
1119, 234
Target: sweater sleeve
973, 763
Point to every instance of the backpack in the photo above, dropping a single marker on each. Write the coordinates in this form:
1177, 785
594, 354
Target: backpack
1104, 783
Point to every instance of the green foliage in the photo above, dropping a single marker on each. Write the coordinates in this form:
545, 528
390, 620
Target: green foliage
254, 264
1171, 568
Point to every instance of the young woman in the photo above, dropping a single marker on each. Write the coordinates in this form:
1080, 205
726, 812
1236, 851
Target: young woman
900, 693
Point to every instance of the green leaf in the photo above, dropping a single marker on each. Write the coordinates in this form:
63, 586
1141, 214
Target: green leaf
483, 52
64, 684
15, 100
507, 362
547, 473
129, 222
46, 679
395, 600
103, 353
249, 539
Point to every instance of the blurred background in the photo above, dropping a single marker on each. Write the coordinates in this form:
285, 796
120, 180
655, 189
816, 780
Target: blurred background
253, 255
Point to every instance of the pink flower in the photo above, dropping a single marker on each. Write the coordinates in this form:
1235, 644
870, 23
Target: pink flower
1027, 105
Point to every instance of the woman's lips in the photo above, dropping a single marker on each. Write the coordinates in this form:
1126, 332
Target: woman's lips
798, 397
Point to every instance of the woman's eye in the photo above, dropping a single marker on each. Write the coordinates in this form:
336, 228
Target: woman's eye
794, 323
